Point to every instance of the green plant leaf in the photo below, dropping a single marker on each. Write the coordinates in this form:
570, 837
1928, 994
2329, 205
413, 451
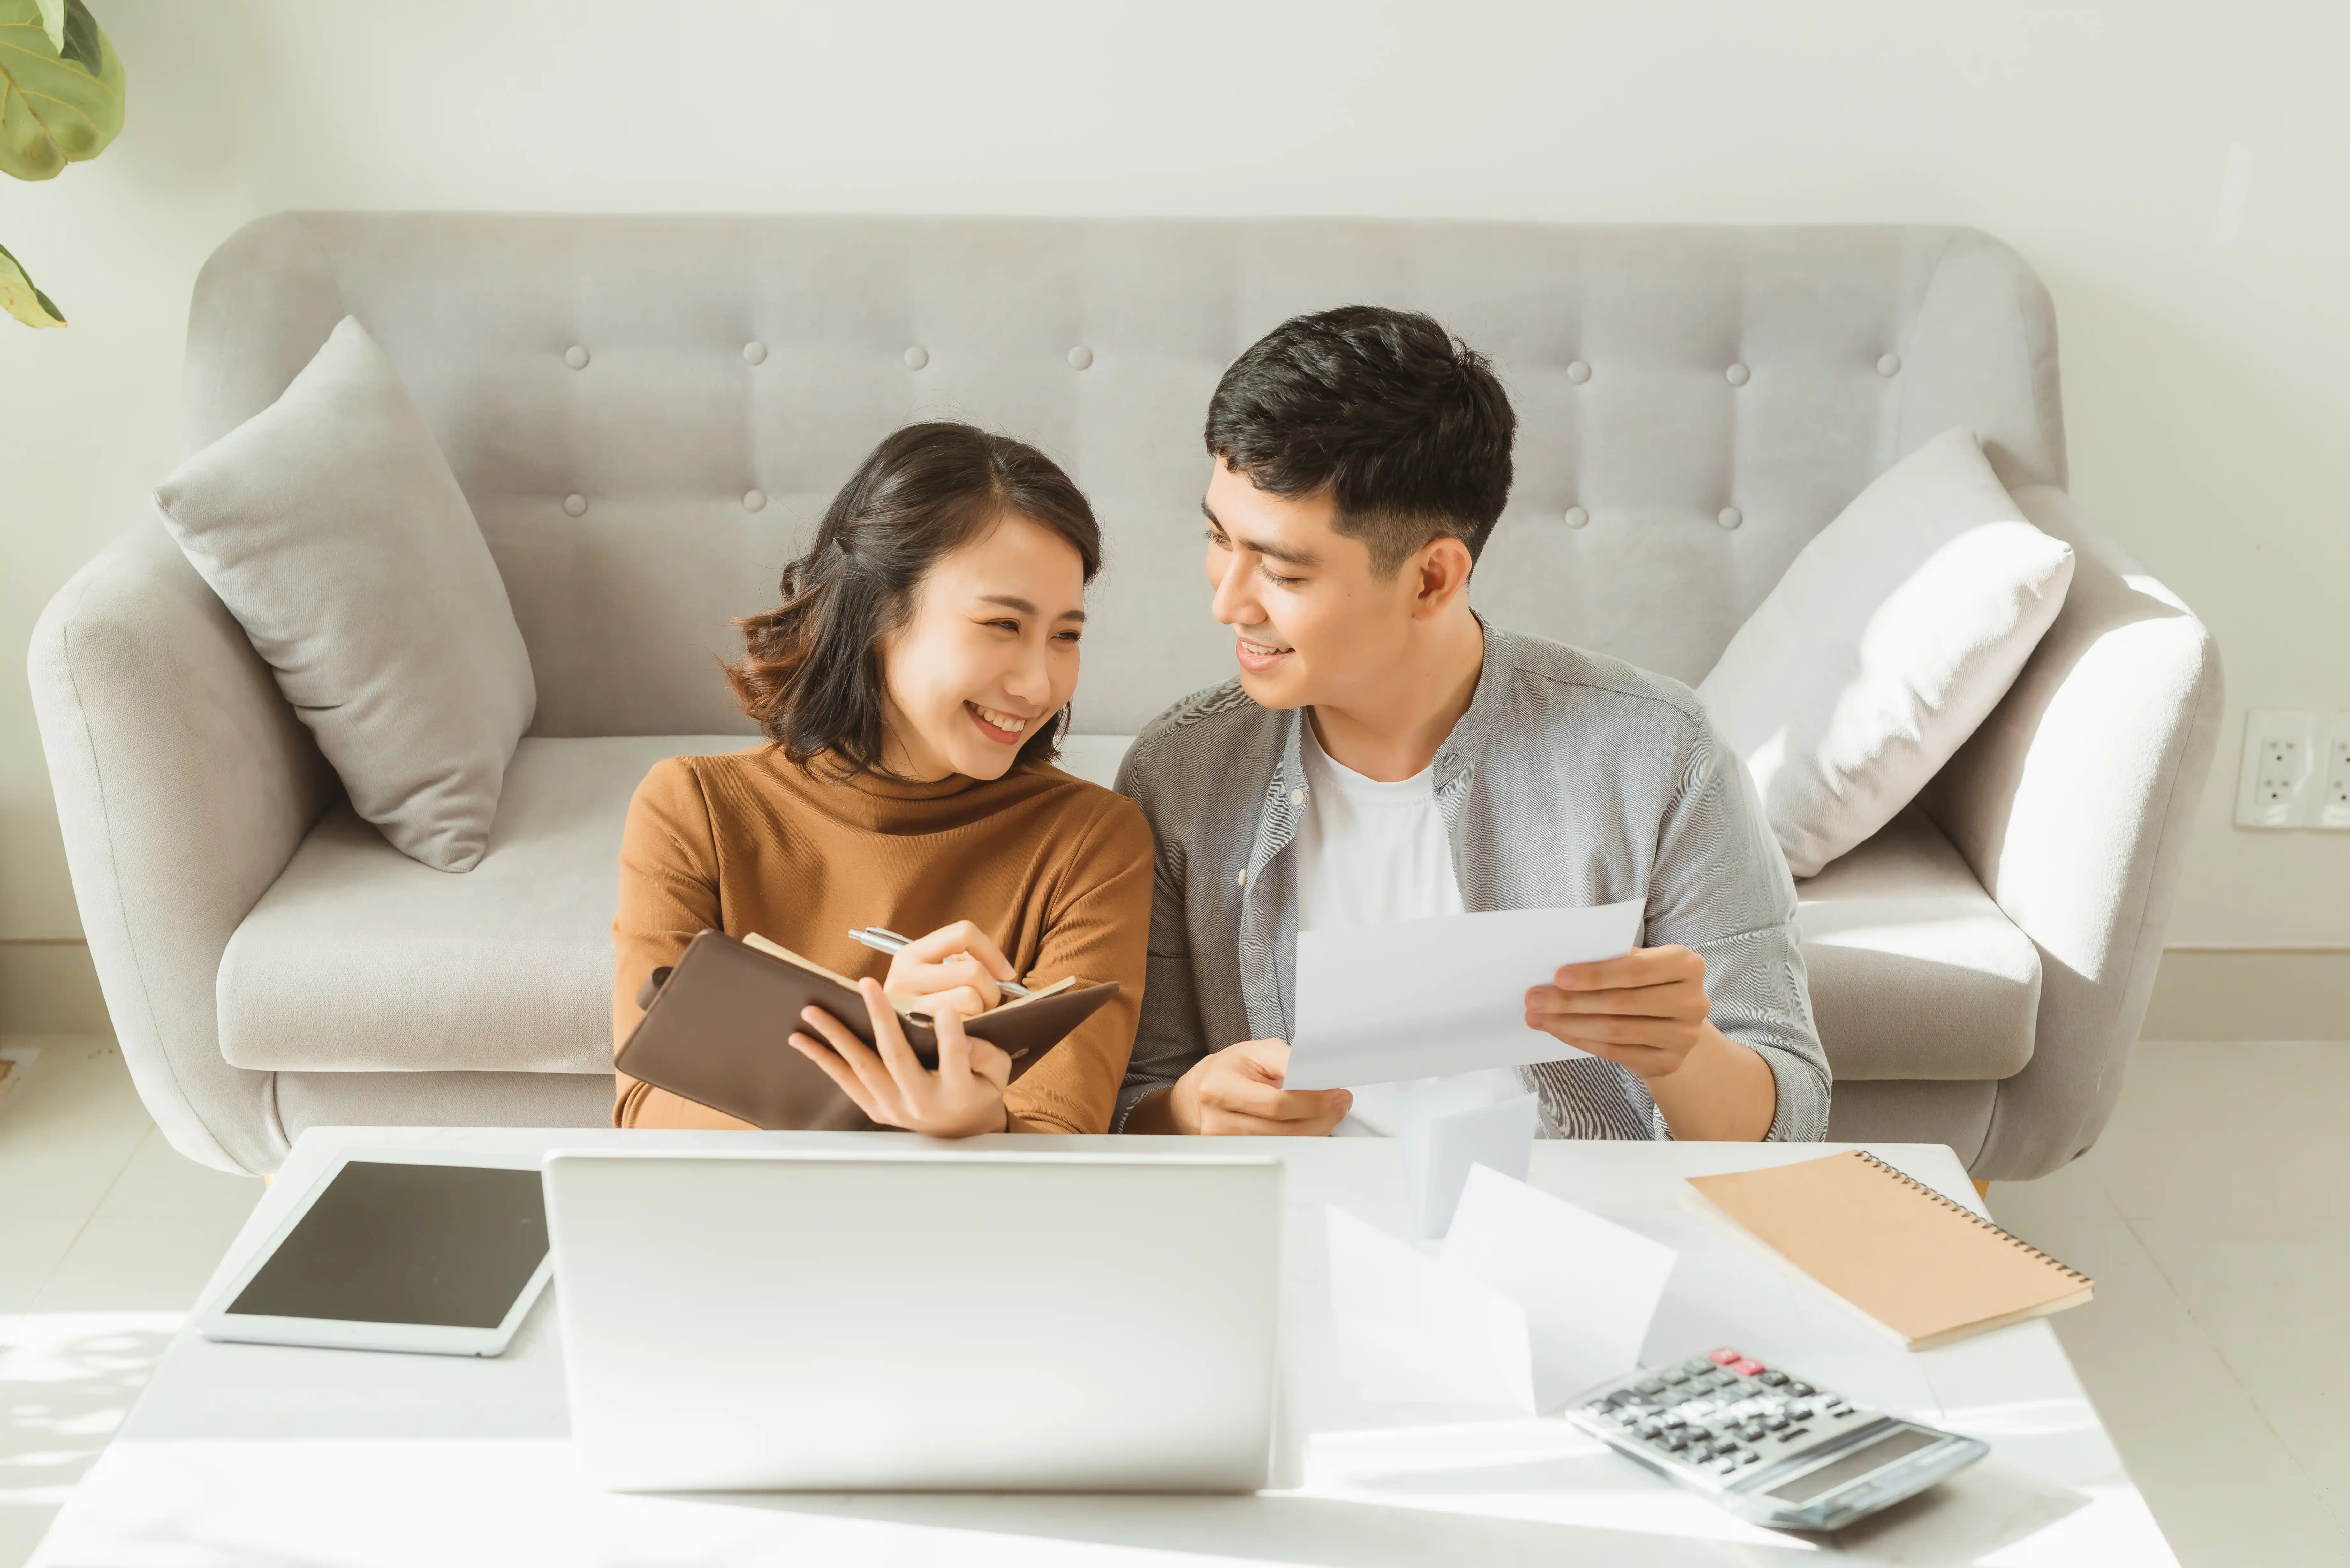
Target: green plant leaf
20, 299
53, 23
60, 103
83, 44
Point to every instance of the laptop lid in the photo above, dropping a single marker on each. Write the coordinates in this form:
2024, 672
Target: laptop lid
918, 1320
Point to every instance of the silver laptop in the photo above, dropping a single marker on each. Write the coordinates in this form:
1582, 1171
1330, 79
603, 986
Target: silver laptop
917, 1321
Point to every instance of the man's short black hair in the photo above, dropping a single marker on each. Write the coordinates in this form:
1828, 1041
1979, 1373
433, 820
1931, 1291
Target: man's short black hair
1407, 427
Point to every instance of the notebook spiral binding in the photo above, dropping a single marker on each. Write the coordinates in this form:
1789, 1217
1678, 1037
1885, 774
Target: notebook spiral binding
1968, 1215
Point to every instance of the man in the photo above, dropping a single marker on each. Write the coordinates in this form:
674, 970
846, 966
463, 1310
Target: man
1384, 754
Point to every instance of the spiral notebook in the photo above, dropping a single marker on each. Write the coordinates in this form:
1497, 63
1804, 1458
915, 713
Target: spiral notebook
1930, 1270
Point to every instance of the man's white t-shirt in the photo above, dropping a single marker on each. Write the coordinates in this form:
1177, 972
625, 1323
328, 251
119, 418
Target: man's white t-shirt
1369, 852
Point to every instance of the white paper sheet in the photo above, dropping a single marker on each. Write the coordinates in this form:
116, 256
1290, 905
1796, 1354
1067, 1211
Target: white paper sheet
1425, 999
1409, 1330
1529, 1300
1590, 1287
1449, 1125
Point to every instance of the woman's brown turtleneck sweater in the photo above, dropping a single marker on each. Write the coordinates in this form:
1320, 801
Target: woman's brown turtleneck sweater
1057, 870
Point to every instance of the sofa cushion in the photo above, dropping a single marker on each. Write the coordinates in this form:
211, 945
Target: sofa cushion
1914, 971
330, 526
1892, 635
359, 957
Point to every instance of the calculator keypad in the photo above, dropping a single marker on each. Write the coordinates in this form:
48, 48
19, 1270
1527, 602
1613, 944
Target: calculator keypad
1751, 1437
1718, 1414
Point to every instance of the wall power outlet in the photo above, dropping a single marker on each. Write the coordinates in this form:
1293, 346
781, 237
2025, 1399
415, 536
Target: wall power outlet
2332, 766
2296, 771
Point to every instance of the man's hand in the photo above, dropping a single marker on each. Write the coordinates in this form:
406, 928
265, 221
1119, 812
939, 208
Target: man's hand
953, 969
1647, 1012
1644, 1011
1237, 1090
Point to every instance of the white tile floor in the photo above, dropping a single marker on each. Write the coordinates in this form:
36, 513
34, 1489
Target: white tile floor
2210, 1216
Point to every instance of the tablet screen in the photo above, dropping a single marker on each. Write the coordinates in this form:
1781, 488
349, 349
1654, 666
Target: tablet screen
450, 1245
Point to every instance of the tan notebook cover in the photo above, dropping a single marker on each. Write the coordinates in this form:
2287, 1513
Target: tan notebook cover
1929, 1269
718, 1023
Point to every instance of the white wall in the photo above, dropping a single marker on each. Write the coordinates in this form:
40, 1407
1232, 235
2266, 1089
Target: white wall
2179, 175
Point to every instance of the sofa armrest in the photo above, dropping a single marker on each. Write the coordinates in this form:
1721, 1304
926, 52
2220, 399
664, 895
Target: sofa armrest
2072, 803
184, 782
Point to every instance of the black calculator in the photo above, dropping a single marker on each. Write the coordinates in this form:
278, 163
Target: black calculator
1768, 1445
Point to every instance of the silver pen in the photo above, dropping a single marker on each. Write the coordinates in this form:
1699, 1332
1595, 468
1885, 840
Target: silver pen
882, 940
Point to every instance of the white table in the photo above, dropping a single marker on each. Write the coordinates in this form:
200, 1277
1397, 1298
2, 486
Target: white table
250, 1454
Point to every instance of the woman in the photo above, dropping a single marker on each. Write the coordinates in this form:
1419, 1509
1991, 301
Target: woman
913, 687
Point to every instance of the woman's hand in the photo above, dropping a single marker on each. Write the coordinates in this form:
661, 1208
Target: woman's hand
953, 969
964, 1096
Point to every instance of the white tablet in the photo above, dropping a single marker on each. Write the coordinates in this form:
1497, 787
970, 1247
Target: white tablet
397, 1250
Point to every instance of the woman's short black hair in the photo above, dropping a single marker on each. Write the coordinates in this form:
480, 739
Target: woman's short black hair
811, 672
1404, 425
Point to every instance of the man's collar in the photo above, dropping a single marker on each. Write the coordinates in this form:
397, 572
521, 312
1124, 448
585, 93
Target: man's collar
1475, 727
1458, 749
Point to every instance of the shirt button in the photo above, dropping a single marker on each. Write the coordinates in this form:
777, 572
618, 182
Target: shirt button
1244, 882
1297, 797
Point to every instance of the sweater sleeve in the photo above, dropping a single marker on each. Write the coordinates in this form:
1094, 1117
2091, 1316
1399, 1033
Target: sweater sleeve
1169, 1036
1099, 929
1720, 888
669, 895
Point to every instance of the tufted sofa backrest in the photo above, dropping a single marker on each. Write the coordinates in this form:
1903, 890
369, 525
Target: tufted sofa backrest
649, 414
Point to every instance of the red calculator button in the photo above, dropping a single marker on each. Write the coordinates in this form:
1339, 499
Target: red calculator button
1723, 1357
1746, 1368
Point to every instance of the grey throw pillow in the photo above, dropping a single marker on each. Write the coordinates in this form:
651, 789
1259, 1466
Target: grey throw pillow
330, 526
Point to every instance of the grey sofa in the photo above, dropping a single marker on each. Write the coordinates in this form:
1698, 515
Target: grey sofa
648, 412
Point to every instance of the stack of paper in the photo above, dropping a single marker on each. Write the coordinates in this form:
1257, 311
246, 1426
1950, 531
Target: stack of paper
1449, 1126
1529, 1301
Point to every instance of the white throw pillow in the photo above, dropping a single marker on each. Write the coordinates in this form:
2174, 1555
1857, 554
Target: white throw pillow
1896, 632
330, 526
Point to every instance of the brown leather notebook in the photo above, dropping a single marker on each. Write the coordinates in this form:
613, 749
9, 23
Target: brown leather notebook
1930, 1270
718, 1025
